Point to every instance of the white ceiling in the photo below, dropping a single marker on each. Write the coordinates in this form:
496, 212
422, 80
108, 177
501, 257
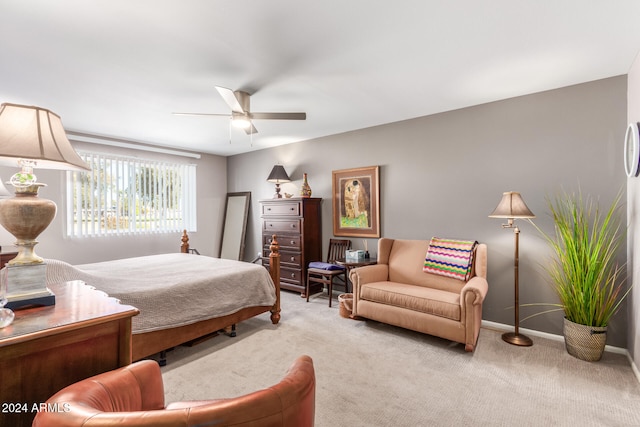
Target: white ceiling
120, 67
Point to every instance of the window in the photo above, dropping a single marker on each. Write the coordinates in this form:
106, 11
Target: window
125, 195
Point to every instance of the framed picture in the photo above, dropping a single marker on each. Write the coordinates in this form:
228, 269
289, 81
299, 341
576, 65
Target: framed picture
356, 202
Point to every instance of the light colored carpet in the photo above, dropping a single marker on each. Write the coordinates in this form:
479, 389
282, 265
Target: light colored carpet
371, 374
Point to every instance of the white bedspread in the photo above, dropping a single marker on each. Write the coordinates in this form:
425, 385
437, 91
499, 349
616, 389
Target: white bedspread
173, 289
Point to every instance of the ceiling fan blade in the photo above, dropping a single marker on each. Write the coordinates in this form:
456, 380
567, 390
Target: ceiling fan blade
200, 114
230, 98
251, 130
279, 116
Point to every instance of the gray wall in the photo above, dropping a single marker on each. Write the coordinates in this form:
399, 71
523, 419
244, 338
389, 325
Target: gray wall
633, 189
212, 189
442, 175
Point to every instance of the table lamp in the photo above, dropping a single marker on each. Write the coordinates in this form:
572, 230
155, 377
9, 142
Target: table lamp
278, 176
513, 207
30, 137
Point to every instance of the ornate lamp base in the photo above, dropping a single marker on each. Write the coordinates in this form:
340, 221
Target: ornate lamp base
27, 286
26, 216
517, 339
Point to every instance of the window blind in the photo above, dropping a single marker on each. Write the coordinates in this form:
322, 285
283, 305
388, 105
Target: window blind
126, 195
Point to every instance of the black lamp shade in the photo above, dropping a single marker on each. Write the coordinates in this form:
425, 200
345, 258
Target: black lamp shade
278, 175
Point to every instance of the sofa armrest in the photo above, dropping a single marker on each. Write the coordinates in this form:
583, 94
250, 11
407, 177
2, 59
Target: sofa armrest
363, 275
478, 286
368, 274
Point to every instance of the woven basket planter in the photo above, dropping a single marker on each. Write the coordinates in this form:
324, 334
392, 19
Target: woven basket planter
346, 304
584, 342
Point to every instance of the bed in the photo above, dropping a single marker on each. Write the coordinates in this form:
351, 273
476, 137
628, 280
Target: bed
180, 304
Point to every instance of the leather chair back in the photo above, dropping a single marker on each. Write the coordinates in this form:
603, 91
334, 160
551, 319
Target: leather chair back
134, 396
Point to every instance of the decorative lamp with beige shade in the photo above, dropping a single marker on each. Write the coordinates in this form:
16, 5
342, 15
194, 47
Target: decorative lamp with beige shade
512, 207
30, 137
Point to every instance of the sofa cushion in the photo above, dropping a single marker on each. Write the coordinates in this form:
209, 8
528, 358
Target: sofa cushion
405, 260
450, 258
325, 266
417, 298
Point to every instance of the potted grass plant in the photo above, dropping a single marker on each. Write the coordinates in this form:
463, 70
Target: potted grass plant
584, 271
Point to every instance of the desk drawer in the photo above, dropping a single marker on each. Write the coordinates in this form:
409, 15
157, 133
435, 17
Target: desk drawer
281, 226
281, 209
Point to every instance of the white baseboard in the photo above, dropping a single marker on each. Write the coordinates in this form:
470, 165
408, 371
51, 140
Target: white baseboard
507, 328
633, 367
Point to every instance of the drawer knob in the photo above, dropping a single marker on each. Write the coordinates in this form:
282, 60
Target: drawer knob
293, 242
293, 275
293, 258
293, 226
291, 209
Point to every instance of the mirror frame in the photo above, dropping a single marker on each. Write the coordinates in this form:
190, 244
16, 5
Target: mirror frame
226, 233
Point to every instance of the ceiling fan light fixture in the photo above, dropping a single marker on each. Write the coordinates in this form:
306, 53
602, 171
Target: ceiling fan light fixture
241, 115
241, 122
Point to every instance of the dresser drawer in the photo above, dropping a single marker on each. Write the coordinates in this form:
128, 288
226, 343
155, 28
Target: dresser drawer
281, 209
283, 241
281, 225
292, 259
291, 275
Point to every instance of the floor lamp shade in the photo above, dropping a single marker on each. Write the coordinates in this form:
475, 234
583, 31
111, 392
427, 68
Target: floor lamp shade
278, 176
511, 207
30, 137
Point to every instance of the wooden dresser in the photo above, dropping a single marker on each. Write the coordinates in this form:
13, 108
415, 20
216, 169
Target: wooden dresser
297, 222
47, 348
7, 255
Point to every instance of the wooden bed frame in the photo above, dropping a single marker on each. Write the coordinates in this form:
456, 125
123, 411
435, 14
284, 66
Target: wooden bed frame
149, 343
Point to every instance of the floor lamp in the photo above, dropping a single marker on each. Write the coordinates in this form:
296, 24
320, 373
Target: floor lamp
513, 207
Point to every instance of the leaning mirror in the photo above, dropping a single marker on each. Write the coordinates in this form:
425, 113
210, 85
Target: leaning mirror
234, 228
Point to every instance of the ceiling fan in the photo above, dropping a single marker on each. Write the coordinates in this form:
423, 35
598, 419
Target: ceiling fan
241, 115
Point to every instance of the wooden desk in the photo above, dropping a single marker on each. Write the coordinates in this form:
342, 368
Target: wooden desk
48, 348
7, 254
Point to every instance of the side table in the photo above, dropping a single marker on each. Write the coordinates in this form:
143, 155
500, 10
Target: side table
349, 264
47, 348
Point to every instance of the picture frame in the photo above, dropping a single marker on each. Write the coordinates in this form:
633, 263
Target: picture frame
356, 202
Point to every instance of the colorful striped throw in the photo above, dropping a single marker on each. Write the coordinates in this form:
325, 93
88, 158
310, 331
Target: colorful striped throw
450, 258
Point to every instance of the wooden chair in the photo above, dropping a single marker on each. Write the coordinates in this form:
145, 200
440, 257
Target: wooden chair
326, 273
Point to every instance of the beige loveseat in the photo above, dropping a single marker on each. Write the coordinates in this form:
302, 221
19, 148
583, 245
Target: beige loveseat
397, 291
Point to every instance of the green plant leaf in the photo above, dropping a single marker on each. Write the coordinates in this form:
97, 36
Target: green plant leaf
584, 273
